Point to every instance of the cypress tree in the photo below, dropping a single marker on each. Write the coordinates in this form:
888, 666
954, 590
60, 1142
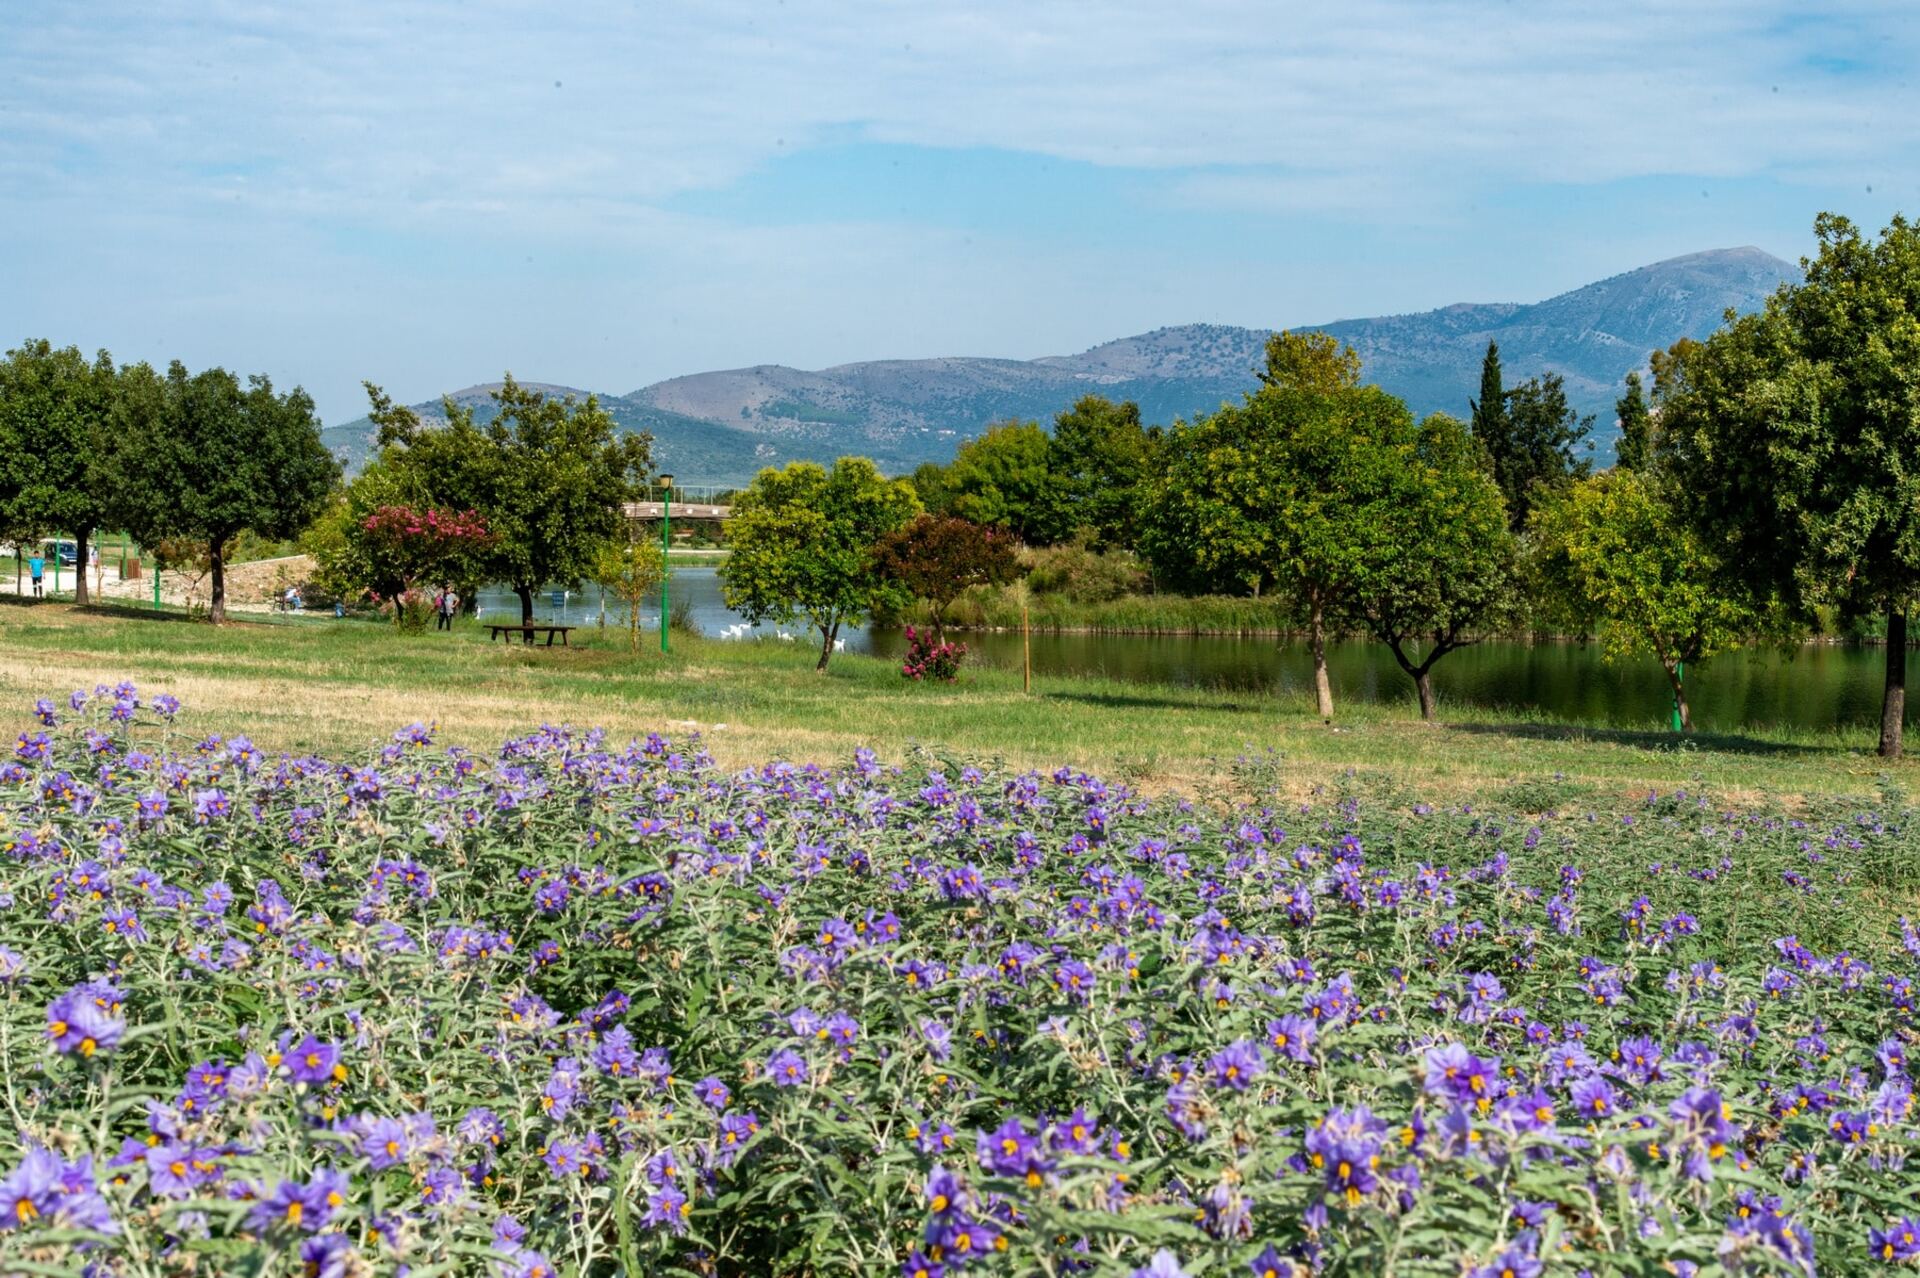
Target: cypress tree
1636, 427
1490, 410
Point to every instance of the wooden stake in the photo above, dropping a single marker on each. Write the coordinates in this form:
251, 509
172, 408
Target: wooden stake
1026, 649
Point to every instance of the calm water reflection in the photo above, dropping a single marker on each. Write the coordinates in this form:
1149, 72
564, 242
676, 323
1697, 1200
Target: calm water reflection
1816, 687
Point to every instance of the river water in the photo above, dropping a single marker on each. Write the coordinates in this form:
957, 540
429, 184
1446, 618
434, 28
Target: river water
1817, 687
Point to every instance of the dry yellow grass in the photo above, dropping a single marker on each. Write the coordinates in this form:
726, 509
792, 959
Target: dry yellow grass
322, 685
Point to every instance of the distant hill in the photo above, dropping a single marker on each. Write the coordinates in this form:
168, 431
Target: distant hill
720, 427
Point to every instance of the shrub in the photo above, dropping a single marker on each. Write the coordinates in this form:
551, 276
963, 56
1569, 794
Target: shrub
1085, 575
930, 658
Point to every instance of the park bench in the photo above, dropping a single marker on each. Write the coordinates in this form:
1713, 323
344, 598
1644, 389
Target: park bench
527, 632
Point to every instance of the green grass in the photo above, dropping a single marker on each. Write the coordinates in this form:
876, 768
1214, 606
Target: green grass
316, 683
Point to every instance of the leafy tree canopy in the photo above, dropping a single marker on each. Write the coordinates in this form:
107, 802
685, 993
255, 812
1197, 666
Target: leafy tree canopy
208, 458
1635, 449
1446, 570
1530, 444
1004, 477
548, 475
1291, 490
55, 443
802, 544
1102, 461
1793, 433
1613, 547
937, 558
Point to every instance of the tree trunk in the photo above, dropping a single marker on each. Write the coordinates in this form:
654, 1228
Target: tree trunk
1679, 697
217, 568
827, 634
1422, 674
80, 595
526, 606
1423, 683
1322, 686
1893, 706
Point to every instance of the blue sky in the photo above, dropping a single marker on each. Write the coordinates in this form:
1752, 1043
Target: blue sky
601, 194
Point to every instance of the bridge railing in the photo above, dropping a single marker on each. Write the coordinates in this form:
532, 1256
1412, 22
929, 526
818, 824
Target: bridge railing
694, 494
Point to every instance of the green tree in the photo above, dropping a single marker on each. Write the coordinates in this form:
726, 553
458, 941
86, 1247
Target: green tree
206, 459
1312, 362
1291, 489
801, 543
1004, 478
1489, 420
1535, 453
930, 483
1793, 434
341, 566
936, 558
631, 571
55, 445
1446, 572
1102, 460
548, 475
1614, 549
1635, 449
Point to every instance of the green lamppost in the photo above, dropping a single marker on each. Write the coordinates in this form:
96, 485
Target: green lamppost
1679, 677
666, 546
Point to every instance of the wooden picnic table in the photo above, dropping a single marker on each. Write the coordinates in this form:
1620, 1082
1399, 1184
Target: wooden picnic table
527, 632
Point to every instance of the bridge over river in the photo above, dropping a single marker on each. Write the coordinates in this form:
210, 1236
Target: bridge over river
690, 501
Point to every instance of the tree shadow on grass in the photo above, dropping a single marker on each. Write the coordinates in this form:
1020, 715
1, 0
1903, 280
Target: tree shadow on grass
1641, 738
1138, 701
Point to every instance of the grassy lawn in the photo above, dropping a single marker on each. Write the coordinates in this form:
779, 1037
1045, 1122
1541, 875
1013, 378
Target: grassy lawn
315, 683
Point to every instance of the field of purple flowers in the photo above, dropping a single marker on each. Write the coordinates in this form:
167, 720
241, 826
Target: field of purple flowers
593, 1008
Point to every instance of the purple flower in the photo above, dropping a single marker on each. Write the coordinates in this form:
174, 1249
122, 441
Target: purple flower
1237, 1065
787, 1068
1292, 1037
1271, 1264
669, 1207
315, 1061
1900, 1240
30, 1190
307, 1207
1163, 1265
1010, 1150
1455, 1073
83, 1019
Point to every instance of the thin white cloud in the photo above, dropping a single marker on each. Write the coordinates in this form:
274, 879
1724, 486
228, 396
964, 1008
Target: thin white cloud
220, 175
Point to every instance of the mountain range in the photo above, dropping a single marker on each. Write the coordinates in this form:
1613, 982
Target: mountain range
721, 427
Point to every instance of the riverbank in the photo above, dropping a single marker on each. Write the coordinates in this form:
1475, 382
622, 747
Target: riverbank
317, 684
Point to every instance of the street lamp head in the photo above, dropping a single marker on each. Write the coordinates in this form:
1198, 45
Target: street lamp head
666, 480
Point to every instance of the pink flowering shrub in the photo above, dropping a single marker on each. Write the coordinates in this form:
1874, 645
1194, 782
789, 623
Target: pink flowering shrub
409, 550
930, 658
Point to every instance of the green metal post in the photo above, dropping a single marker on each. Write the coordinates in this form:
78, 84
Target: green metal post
666, 547
156, 583
56, 563
1680, 678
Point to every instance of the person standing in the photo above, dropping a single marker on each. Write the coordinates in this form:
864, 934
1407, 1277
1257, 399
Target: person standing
446, 604
37, 569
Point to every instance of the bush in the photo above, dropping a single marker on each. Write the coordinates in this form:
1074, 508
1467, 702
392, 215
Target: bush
413, 612
1085, 575
928, 658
